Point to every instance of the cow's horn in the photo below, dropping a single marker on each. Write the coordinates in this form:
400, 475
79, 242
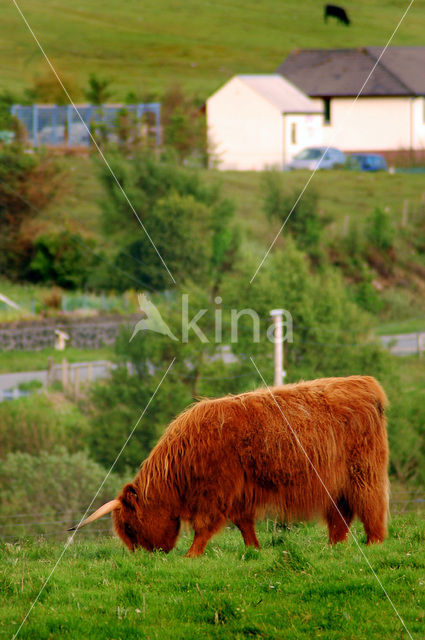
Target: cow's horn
102, 511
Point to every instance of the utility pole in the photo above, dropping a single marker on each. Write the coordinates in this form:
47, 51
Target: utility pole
279, 373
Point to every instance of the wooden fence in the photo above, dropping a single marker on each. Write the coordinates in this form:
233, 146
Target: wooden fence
74, 377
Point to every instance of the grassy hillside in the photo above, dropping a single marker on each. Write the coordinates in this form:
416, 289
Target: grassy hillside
147, 46
341, 194
296, 587
346, 200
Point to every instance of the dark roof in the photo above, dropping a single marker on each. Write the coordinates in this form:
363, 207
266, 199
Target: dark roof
342, 72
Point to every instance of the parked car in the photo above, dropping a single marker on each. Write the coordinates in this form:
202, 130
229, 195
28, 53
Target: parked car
366, 162
310, 158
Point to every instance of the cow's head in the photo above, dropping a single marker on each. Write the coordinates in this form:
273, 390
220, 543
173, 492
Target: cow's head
139, 521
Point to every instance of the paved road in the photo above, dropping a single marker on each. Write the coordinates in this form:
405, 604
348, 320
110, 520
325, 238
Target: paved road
404, 344
11, 381
400, 345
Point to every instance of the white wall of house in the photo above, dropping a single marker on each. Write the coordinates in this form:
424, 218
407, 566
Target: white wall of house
301, 130
373, 123
245, 131
418, 110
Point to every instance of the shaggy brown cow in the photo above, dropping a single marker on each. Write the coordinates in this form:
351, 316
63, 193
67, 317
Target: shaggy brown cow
234, 458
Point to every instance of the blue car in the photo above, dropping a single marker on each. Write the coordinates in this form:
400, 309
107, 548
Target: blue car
366, 162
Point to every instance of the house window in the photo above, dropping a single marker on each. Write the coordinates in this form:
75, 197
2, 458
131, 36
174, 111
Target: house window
294, 133
327, 110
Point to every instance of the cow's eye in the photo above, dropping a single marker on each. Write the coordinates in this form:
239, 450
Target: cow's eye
130, 532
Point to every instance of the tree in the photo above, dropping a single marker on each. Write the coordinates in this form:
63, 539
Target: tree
190, 223
27, 184
184, 128
98, 92
62, 258
47, 90
304, 223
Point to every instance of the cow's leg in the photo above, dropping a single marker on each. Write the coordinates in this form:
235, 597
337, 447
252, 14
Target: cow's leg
247, 529
204, 529
339, 518
372, 511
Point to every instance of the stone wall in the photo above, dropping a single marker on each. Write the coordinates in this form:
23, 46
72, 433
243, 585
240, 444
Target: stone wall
84, 333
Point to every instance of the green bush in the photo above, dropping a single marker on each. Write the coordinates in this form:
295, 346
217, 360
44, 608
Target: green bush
27, 184
62, 259
406, 432
50, 491
380, 231
184, 128
189, 222
117, 406
367, 297
304, 223
38, 423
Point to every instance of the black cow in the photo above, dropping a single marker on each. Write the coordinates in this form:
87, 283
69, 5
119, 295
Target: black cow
336, 12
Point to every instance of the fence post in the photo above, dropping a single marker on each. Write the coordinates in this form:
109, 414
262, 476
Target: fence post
77, 383
49, 370
419, 338
64, 374
89, 372
405, 212
276, 314
69, 123
55, 125
34, 125
158, 124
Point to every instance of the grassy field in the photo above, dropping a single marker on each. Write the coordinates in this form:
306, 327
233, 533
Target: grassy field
407, 326
14, 361
295, 587
146, 47
342, 195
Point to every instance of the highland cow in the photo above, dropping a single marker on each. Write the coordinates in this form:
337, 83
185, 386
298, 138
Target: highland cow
311, 449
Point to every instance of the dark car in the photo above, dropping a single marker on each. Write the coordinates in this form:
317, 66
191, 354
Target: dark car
366, 162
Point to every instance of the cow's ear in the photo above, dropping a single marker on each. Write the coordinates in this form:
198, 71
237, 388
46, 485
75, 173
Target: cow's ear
129, 496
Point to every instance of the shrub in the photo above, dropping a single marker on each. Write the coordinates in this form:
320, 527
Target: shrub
379, 229
304, 223
183, 124
61, 259
189, 222
406, 432
50, 491
46, 89
39, 423
27, 184
116, 407
98, 91
367, 297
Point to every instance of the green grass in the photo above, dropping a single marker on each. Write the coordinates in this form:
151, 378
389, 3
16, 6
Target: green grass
406, 326
295, 587
14, 361
148, 46
341, 194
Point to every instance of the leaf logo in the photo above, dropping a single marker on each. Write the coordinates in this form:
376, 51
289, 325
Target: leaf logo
153, 320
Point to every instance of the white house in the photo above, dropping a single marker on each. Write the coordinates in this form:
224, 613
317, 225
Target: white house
261, 121
389, 115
